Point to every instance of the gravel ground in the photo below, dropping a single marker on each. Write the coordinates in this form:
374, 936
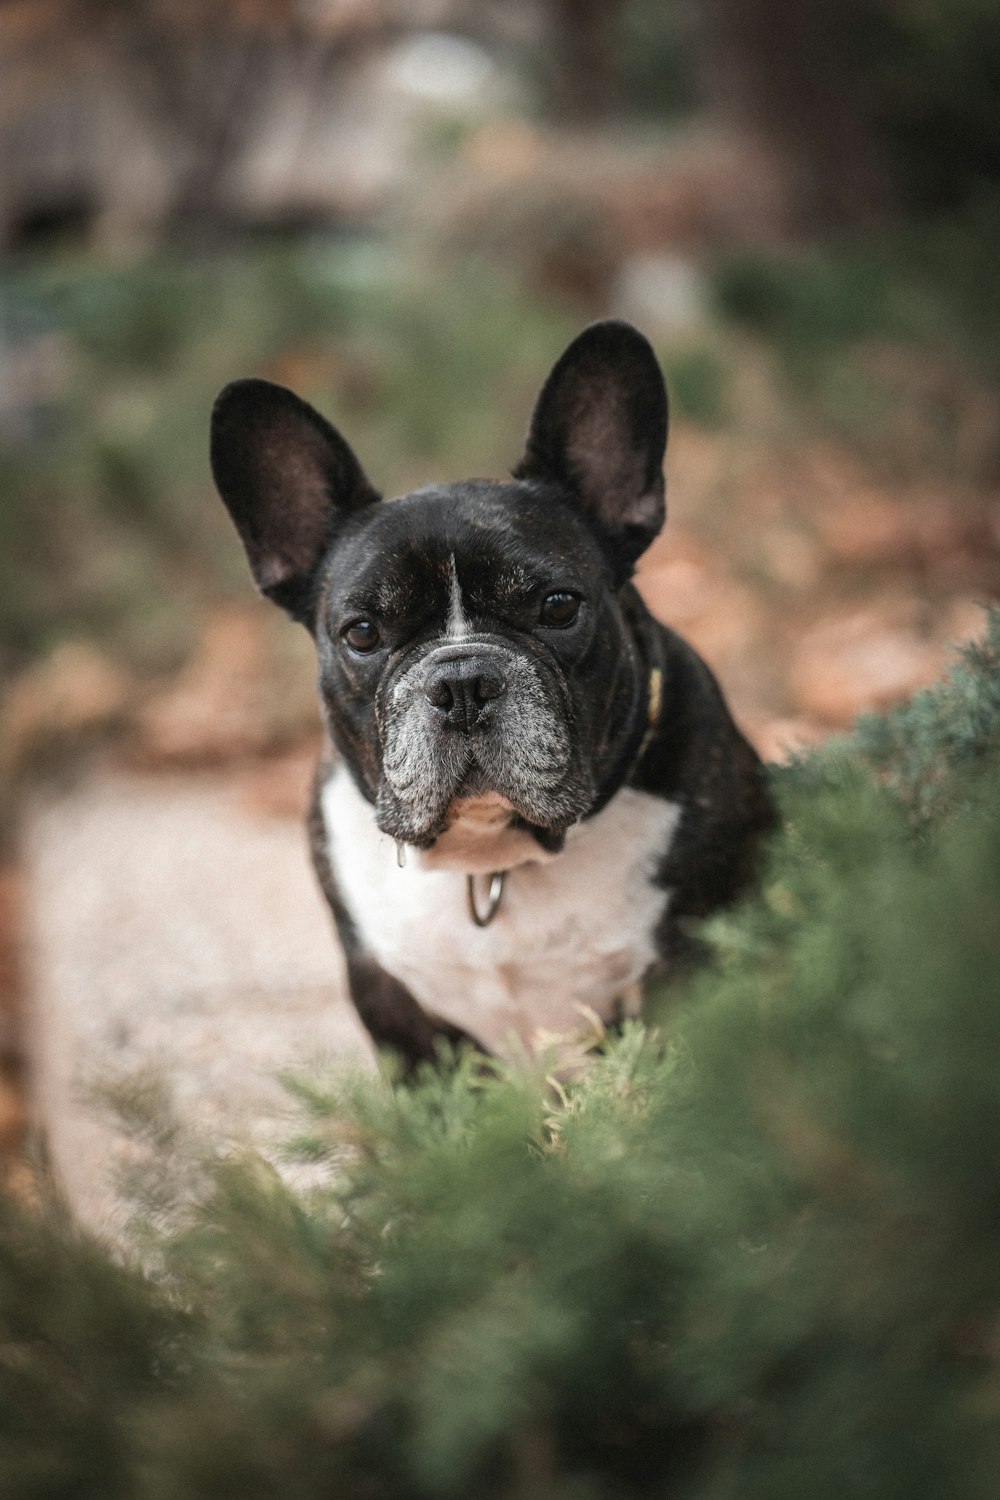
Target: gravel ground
172, 933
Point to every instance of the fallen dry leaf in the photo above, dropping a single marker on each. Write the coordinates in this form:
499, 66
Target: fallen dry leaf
74, 692
779, 739
851, 663
248, 690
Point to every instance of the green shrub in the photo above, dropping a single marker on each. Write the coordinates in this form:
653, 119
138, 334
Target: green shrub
697, 381
106, 469
752, 1253
889, 345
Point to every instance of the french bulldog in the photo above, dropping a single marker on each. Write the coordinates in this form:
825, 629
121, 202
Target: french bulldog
529, 786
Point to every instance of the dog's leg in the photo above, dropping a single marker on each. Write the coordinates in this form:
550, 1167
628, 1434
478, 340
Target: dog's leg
390, 1014
395, 1020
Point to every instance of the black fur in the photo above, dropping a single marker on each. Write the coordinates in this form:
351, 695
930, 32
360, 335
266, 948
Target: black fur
565, 721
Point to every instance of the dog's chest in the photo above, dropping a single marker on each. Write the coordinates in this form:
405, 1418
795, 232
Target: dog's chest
574, 932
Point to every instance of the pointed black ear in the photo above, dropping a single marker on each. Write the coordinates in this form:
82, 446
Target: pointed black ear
287, 478
600, 429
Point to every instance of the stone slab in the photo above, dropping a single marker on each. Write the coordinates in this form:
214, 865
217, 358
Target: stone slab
172, 933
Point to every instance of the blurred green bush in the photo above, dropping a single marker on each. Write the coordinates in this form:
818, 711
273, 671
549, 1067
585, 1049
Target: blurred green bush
752, 1253
109, 520
891, 344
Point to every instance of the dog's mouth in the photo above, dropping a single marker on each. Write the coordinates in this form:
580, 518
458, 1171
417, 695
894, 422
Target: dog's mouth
478, 807
478, 800
521, 752
475, 785
484, 834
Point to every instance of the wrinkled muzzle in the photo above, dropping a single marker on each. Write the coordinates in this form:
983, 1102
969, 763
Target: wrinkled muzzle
473, 717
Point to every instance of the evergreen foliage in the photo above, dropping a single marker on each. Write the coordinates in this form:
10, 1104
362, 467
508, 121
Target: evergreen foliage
753, 1252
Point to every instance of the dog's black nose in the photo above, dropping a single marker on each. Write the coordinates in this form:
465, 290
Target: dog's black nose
461, 686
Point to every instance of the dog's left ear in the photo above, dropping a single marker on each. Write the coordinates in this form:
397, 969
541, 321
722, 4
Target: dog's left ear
599, 429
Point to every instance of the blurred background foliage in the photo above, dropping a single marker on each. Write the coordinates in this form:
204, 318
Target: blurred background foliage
402, 209
755, 1255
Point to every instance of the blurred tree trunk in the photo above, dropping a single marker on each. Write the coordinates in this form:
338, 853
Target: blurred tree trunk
203, 91
206, 79
202, 75
584, 33
790, 73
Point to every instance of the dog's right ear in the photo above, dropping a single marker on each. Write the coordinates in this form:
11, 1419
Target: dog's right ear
288, 478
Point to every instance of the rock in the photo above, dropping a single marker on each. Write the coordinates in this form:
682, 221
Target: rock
663, 294
175, 944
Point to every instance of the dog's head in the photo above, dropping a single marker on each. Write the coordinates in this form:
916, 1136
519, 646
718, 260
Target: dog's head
473, 638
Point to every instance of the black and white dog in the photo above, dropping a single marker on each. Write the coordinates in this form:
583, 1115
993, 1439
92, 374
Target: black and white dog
529, 784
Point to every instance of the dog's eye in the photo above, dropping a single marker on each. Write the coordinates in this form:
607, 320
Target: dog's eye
362, 636
559, 610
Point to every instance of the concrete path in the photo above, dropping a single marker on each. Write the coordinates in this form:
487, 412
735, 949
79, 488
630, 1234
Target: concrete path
173, 933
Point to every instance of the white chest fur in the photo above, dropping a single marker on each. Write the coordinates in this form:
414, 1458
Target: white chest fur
572, 931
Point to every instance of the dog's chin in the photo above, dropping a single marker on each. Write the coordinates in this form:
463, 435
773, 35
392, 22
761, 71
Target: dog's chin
405, 826
478, 821
534, 786
484, 833
490, 810
475, 783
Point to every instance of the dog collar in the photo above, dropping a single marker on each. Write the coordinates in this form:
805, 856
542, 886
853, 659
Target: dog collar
493, 898
498, 879
652, 712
